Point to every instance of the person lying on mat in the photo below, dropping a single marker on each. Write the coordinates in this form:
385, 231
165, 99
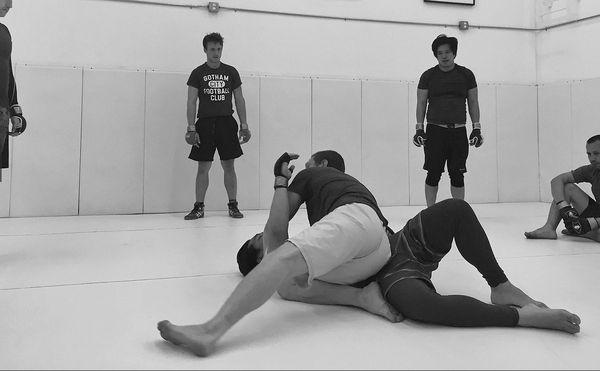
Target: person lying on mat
348, 256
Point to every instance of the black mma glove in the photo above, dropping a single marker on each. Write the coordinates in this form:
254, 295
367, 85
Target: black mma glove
567, 212
281, 171
475, 139
283, 159
19, 122
192, 138
581, 226
420, 138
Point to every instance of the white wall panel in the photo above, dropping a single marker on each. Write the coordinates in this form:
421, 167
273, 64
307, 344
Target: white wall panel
481, 178
417, 159
169, 176
112, 142
554, 110
285, 126
385, 133
45, 164
336, 120
518, 171
585, 111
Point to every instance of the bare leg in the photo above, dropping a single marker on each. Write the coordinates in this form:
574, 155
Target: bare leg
430, 194
230, 178
457, 192
202, 180
576, 197
251, 293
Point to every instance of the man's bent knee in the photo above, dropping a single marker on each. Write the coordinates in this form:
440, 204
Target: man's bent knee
457, 179
433, 179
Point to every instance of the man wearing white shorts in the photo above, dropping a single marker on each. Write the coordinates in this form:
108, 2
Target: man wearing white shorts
346, 244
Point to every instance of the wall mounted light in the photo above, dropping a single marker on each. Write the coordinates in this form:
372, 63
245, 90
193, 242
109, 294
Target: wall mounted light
463, 25
213, 7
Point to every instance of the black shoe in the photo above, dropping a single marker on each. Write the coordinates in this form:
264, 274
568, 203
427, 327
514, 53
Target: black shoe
197, 211
234, 212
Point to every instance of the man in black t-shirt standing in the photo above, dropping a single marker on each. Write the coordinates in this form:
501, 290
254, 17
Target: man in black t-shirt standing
442, 92
211, 125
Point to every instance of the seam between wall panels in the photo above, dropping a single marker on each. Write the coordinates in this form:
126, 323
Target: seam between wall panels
497, 145
362, 143
144, 141
312, 132
409, 177
537, 121
258, 132
80, 142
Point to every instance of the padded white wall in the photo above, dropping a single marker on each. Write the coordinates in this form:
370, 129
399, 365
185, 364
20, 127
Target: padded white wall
169, 175
555, 130
112, 142
385, 127
285, 126
45, 163
117, 146
336, 120
481, 178
518, 170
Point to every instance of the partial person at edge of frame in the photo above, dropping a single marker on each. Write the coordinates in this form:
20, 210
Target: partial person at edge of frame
578, 210
10, 111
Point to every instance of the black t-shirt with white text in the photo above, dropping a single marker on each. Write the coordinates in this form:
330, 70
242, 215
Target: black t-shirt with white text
215, 89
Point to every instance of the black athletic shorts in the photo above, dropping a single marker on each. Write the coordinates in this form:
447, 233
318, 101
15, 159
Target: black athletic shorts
217, 133
592, 209
445, 144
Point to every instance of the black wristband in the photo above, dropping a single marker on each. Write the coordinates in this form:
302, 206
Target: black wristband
279, 186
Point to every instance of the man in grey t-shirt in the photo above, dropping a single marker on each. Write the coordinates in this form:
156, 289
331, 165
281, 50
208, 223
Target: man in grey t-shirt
579, 211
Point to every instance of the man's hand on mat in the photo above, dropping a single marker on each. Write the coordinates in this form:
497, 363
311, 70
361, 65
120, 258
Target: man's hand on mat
372, 301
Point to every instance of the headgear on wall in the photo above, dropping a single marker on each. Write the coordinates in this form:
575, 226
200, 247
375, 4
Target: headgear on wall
442, 40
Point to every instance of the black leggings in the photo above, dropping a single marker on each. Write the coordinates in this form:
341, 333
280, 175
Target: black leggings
443, 222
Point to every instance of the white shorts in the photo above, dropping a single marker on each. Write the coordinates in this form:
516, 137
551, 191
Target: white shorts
346, 246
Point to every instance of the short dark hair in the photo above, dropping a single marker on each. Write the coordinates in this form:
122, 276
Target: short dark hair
334, 159
444, 40
247, 258
593, 139
214, 37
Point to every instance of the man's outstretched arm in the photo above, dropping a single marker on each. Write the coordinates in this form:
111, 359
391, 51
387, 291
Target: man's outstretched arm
276, 229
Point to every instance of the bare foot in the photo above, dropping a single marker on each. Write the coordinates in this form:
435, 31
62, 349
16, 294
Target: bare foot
555, 319
508, 294
194, 338
373, 302
542, 233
